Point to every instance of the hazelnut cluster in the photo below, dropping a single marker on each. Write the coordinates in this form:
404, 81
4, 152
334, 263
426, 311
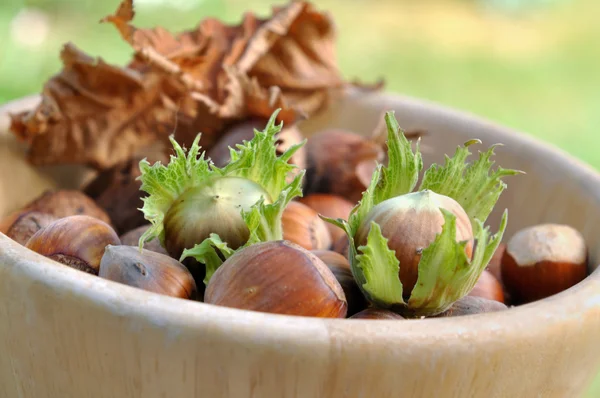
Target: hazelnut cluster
335, 228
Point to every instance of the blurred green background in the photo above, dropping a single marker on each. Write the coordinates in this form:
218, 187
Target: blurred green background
530, 65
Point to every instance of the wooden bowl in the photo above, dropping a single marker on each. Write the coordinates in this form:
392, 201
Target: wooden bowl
64, 333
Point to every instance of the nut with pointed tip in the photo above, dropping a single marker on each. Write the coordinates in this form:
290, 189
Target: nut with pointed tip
147, 270
132, 238
22, 225
376, 313
340, 267
303, 226
411, 223
65, 203
543, 260
332, 206
277, 277
488, 287
333, 160
76, 241
470, 305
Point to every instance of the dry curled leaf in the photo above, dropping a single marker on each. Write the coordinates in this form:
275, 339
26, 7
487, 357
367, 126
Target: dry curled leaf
247, 70
98, 114
196, 81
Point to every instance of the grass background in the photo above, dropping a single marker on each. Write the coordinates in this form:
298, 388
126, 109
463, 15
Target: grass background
530, 65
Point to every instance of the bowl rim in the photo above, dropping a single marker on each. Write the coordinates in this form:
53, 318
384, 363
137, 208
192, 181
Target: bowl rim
175, 314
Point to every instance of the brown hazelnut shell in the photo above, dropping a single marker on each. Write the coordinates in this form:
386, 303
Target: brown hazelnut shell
277, 277
132, 238
341, 246
340, 267
488, 287
76, 241
303, 226
470, 305
376, 313
147, 270
117, 191
24, 224
65, 203
543, 260
333, 156
332, 206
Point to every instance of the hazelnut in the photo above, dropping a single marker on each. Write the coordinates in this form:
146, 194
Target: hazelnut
303, 226
340, 267
65, 203
331, 206
147, 270
496, 262
117, 191
488, 287
470, 305
376, 313
76, 241
332, 160
543, 260
132, 238
24, 224
341, 246
277, 277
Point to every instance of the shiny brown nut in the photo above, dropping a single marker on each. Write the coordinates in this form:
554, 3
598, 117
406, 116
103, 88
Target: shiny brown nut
341, 246
277, 277
494, 266
543, 260
132, 238
331, 206
65, 203
25, 224
117, 191
470, 305
340, 267
303, 226
488, 287
332, 159
147, 270
76, 241
376, 313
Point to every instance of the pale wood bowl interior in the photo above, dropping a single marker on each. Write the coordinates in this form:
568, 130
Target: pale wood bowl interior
68, 334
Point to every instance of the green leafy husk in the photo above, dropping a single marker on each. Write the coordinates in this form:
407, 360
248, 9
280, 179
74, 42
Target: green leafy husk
445, 272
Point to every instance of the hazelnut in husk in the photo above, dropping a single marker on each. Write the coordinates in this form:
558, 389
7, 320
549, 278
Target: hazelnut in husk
190, 199
76, 241
277, 277
543, 260
332, 160
332, 206
471, 305
417, 252
26, 223
488, 287
411, 223
340, 267
132, 238
65, 203
147, 270
303, 226
376, 313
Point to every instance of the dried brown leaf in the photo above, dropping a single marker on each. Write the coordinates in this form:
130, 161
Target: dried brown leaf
98, 114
